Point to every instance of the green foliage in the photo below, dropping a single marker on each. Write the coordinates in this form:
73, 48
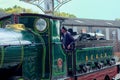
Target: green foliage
117, 19
63, 14
2, 10
16, 9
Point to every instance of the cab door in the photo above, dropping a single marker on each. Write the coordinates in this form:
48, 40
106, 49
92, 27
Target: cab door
71, 62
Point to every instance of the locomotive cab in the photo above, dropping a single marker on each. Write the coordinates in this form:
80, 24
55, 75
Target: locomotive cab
92, 52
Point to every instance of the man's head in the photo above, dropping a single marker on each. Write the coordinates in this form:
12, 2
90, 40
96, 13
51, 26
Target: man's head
63, 30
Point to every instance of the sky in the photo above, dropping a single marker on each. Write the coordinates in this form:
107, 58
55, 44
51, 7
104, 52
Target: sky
90, 9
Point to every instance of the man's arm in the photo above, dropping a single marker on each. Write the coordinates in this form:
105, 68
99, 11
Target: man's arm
71, 41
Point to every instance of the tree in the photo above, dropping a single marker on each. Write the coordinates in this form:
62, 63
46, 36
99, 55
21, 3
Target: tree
117, 19
2, 10
17, 9
63, 14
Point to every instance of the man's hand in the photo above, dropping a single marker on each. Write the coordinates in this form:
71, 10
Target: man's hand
68, 47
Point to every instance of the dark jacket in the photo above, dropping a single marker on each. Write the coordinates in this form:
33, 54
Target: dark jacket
68, 39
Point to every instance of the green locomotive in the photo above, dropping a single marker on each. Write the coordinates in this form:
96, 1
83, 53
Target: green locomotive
32, 49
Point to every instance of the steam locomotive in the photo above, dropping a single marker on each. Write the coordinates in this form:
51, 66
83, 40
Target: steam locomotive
31, 49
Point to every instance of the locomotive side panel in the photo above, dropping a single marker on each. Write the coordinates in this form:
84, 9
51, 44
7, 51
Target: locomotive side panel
58, 55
